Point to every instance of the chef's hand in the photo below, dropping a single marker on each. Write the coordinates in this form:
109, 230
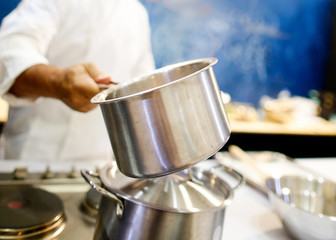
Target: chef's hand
75, 85
79, 85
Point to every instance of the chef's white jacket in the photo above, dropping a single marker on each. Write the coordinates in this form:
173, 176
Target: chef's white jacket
114, 34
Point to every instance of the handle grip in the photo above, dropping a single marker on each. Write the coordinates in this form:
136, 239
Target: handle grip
88, 175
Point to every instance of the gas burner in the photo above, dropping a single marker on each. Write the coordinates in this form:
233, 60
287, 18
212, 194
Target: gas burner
30, 213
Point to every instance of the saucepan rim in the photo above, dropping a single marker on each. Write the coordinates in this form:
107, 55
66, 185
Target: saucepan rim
100, 98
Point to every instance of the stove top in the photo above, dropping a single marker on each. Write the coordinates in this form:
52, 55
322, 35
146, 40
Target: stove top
28, 212
58, 200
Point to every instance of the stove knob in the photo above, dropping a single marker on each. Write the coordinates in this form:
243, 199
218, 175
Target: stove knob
74, 173
20, 173
48, 174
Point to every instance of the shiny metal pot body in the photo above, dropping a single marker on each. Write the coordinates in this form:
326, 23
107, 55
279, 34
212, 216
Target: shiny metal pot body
142, 223
183, 206
165, 121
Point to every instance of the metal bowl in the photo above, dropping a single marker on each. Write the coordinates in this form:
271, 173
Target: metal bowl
305, 204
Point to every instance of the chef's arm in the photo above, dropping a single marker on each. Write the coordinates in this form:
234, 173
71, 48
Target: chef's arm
75, 85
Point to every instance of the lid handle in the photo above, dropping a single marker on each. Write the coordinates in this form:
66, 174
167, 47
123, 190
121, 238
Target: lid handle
234, 173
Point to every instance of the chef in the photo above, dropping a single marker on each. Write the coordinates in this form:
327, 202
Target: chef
53, 56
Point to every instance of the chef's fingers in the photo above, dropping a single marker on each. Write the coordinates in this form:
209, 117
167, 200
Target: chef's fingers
97, 75
105, 80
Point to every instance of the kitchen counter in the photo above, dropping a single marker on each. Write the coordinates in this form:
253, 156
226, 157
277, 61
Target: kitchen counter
250, 217
294, 140
322, 128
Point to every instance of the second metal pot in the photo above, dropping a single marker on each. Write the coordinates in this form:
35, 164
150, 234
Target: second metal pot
165, 121
186, 206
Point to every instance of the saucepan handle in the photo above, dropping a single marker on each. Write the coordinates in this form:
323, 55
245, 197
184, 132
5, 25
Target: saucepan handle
234, 173
88, 175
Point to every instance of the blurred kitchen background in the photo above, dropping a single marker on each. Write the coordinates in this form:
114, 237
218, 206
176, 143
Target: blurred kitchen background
263, 47
277, 65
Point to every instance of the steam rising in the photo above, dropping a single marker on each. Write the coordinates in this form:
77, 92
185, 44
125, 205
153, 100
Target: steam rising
244, 35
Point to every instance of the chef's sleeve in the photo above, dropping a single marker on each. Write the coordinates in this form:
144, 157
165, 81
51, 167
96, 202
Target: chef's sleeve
25, 35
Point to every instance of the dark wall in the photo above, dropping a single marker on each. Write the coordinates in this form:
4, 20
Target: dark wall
6, 6
330, 83
263, 46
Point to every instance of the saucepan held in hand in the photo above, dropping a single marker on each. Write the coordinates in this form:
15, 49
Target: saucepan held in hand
306, 206
165, 121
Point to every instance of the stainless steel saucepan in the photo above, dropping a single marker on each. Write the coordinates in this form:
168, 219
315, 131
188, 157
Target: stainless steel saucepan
187, 205
165, 121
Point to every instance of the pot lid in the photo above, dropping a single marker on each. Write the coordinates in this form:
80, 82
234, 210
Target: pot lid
191, 190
